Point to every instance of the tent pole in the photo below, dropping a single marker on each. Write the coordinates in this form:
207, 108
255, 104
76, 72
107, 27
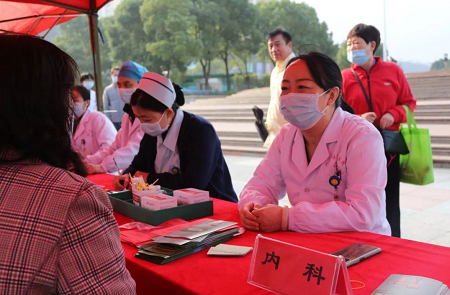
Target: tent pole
93, 32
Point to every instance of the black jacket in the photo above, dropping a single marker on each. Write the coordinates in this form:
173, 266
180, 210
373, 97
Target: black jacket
202, 163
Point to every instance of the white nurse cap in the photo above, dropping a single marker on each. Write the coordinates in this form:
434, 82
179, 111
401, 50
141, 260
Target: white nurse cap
159, 87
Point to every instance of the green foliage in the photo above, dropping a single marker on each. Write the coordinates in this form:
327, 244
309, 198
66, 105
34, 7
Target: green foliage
217, 67
301, 21
74, 40
206, 30
219, 35
341, 56
440, 64
379, 51
171, 25
248, 81
127, 38
237, 22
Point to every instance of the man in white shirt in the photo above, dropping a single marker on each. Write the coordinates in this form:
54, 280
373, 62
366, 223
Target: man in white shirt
279, 43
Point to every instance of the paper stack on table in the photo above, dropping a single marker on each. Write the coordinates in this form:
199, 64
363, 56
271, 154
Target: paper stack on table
199, 236
229, 250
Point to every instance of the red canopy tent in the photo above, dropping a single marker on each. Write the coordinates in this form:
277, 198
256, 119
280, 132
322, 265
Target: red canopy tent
35, 16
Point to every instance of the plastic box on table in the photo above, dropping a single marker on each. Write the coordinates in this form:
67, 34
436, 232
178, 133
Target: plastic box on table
122, 202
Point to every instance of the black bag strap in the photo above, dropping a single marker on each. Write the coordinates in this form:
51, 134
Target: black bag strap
369, 101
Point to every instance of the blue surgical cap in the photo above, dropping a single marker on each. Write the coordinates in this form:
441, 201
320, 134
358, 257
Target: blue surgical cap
132, 70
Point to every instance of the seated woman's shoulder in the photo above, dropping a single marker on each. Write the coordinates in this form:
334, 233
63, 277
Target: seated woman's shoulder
58, 178
197, 122
357, 124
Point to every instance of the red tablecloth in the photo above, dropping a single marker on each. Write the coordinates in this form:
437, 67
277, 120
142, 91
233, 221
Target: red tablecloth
202, 274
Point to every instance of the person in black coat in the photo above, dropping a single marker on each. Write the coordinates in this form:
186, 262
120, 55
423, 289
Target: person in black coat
179, 149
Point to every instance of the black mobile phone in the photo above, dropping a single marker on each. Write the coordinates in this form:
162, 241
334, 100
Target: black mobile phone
356, 253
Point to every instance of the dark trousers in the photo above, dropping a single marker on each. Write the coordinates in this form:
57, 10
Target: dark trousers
393, 194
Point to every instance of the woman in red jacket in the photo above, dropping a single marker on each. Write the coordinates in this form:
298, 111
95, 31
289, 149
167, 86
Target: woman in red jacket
379, 99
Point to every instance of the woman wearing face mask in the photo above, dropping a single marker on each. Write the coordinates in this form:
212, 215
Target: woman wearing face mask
386, 89
126, 144
179, 149
328, 161
92, 131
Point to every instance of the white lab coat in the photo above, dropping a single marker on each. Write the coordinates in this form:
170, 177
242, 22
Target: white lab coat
349, 142
94, 132
123, 149
93, 103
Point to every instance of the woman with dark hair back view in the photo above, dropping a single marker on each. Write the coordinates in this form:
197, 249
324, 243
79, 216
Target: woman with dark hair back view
329, 162
58, 232
179, 149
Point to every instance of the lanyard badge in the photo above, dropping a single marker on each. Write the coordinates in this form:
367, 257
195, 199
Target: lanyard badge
335, 180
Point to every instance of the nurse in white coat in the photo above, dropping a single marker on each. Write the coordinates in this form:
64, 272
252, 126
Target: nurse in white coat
126, 144
330, 163
93, 131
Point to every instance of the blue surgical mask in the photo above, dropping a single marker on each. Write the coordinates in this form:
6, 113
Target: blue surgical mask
114, 79
78, 109
154, 129
301, 109
125, 94
88, 84
358, 57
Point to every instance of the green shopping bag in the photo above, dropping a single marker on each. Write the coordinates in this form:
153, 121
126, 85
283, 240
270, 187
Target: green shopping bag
417, 166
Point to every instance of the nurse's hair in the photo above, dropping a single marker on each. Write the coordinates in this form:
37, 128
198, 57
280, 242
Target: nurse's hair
326, 74
146, 101
35, 100
85, 94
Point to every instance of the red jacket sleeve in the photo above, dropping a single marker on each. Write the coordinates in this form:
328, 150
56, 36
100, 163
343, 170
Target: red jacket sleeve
405, 97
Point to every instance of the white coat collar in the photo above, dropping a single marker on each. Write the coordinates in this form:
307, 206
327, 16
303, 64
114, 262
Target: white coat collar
170, 141
83, 123
321, 154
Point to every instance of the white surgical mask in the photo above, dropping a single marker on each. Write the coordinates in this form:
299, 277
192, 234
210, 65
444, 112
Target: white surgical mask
114, 79
125, 94
78, 109
301, 109
88, 84
154, 129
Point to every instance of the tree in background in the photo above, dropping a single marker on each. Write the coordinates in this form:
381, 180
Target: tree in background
236, 23
206, 30
301, 21
341, 56
127, 38
167, 36
441, 64
171, 26
74, 40
244, 51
